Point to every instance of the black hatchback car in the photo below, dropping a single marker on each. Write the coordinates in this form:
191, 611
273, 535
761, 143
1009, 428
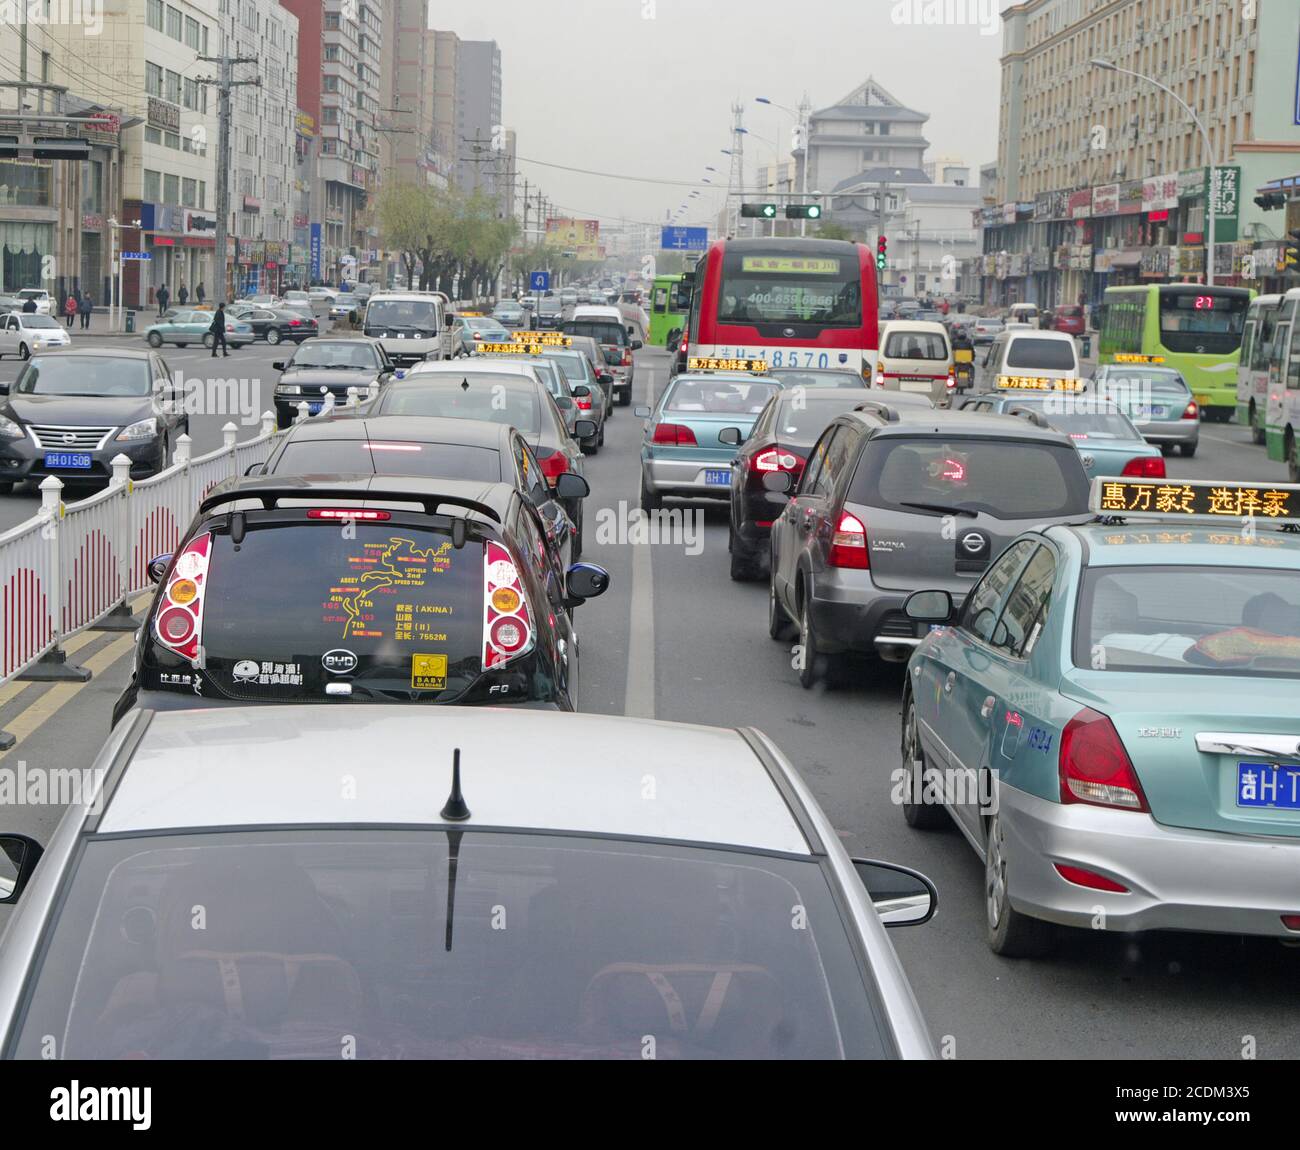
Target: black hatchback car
378, 589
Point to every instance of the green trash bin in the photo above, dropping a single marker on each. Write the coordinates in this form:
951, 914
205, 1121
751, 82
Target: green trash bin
130, 321
1085, 349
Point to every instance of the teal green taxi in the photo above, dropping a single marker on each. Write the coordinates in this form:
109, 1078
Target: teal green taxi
1111, 718
186, 327
692, 433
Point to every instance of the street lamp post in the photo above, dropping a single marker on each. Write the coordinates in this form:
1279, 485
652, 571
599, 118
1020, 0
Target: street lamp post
802, 119
1106, 65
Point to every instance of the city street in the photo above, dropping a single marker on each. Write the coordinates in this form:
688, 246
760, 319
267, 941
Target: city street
676, 639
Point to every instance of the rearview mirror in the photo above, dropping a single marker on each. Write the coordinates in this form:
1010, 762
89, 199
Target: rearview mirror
582, 391
637, 345
901, 896
585, 581
278, 365
732, 436
928, 606
584, 429
158, 568
571, 485
4, 389
605, 377
778, 482
18, 858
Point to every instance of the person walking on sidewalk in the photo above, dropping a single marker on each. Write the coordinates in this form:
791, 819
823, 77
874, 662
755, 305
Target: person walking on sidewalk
163, 296
218, 330
184, 296
85, 307
200, 294
70, 307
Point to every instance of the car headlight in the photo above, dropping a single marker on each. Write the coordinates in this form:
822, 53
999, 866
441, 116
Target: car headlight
11, 430
142, 429
288, 389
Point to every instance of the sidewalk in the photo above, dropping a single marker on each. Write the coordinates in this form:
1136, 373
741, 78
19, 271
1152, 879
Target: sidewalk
99, 324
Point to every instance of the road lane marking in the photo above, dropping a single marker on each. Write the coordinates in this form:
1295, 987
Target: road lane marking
639, 698
52, 701
1234, 443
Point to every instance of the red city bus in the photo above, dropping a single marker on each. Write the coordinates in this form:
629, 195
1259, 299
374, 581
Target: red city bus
792, 302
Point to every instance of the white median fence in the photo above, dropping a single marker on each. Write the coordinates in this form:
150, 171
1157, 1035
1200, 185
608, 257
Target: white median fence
77, 566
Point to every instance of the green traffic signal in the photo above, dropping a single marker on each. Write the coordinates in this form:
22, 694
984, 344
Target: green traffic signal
758, 211
803, 212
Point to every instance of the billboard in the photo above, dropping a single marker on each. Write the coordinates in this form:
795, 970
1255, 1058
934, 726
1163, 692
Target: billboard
582, 237
315, 253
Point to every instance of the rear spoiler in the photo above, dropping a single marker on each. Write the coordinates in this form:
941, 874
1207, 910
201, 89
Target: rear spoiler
270, 496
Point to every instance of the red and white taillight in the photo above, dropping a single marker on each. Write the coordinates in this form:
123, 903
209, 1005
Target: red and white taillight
952, 377
774, 459
507, 623
849, 544
1094, 765
179, 622
1191, 411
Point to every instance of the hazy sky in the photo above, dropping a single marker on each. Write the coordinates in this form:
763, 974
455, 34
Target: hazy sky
645, 87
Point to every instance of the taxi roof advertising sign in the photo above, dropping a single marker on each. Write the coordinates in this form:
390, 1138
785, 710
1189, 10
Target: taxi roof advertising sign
1279, 503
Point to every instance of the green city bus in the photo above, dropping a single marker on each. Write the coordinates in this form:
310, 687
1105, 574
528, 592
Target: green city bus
670, 304
1190, 327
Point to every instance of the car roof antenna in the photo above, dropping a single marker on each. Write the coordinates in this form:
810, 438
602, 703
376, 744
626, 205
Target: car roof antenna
464, 384
455, 810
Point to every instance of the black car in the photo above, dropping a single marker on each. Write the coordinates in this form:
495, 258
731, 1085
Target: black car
782, 437
369, 589
549, 313
445, 448
322, 367
71, 412
279, 325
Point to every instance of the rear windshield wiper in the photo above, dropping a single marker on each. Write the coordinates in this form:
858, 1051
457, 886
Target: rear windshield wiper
942, 509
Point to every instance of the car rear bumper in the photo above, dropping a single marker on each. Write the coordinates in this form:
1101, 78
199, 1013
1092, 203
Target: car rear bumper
1177, 879
1173, 431
861, 617
685, 476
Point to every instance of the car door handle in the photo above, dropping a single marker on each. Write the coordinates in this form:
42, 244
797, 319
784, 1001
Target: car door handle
949, 682
987, 709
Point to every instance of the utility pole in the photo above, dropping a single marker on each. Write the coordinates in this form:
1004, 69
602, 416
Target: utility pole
224, 166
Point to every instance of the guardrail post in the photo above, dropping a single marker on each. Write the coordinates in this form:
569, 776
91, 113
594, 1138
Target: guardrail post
372, 389
268, 423
120, 617
354, 397
327, 408
53, 666
184, 452
302, 412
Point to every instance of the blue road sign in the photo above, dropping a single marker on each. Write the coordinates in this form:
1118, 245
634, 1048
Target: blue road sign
675, 239
539, 281
136, 256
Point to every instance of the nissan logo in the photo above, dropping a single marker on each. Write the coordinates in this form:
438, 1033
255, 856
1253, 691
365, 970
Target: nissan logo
972, 542
339, 662
68, 437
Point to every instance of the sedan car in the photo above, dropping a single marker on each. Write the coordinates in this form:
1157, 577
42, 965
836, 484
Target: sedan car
24, 333
1157, 400
277, 325
346, 309
323, 367
596, 404
191, 326
469, 331
1110, 719
373, 911
986, 329
71, 413
510, 315
44, 306
684, 453
359, 589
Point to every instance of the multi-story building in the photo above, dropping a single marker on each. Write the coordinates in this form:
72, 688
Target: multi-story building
481, 135
1102, 178
867, 131
407, 150
263, 157
446, 101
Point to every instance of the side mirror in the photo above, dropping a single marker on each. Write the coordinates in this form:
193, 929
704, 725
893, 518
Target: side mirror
928, 606
641, 412
901, 896
731, 436
18, 858
278, 365
158, 567
584, 429
571, 485
778, 482
585, 581
637, 345
4, 389
581, 391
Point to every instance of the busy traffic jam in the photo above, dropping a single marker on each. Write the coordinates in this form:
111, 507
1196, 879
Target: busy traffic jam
587, 661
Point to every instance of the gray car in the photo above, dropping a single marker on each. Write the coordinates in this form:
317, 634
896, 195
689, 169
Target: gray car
896, 499
577, 369
467, 884
1157, 400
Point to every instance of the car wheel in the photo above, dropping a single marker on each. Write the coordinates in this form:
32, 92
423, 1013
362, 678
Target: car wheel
1187, 450
808, 668
650, 500
591, 446
1256, 428
1010, 933
208, 340
6, 488
744, 563
1166, 449
778, 622
923, 816
24, 352
155, 340
273, 336
600, 439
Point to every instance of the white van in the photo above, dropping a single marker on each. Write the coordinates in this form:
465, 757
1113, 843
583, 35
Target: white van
1024, 313
916, 355
1029, 359
411, 325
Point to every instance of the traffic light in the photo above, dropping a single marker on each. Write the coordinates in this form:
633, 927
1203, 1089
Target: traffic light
758, 211
882, 253
803, 212
1271, 200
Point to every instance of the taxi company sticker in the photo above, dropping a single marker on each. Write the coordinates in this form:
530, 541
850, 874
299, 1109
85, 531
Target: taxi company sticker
268, 674
428, 672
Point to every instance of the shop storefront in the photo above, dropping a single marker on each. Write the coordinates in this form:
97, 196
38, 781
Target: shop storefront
180, 241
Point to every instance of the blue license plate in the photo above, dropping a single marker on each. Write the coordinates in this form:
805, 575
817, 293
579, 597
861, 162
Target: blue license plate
717, 478
68, 460
314, 408
1268, 785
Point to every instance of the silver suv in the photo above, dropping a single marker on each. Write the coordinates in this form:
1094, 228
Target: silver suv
897, 499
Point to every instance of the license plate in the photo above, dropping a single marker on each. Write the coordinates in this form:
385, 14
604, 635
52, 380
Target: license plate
314, 408
1202, 399
914, 385
718, 478
68, 460
1268, 785
937, 627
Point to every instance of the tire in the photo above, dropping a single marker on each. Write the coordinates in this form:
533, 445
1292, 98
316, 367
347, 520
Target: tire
282, 419
920, 816
24, 352
155, 340
592, 447
1010, 933
600, 439
625, 397
778, 622
208, 340
810, 670
6, 488
650, 500
1187, 450
1256, 429
744, 564
1166, 449
273, 336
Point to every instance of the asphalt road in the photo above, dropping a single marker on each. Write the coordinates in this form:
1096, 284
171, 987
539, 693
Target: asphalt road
676, 639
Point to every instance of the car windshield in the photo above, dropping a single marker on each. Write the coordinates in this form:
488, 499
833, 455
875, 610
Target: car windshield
391, 940
39, 321
413, 313
1138, 386
497, 398
780, 289
572, 363
601, 330
1007, 479
336, 353
811, 379
1208, 620
1089, 424
387, 457
345, 301
801, 418
68, 374
1033, 354
721, 396
916, 345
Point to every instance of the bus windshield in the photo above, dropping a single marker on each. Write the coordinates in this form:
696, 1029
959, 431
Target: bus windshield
783, 289
1205, 322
